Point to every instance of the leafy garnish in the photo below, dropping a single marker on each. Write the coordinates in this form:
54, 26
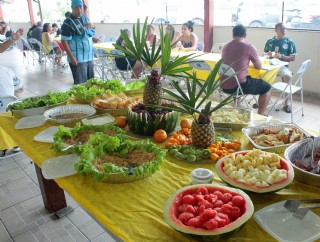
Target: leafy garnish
39, 101
134, 85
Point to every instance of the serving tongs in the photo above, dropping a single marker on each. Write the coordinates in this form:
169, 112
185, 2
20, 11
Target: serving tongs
301, 207
309, 161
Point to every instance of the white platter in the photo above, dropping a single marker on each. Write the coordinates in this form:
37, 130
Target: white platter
30, 122
46, 135
279, 223
60, 166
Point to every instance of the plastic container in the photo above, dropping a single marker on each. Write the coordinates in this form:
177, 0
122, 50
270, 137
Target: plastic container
201, 176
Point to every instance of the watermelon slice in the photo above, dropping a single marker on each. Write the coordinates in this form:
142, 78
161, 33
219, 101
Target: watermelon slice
213, 210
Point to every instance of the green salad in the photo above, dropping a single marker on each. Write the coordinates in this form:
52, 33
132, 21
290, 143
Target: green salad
39, 101
102, 154
95, 87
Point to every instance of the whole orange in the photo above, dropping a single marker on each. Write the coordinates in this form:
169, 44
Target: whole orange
160, 136
121, 121
185, 123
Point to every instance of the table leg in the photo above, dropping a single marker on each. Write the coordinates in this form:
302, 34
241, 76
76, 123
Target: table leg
52, 195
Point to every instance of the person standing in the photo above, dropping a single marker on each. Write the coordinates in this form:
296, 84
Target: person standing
76, 39
284, 49
238, 53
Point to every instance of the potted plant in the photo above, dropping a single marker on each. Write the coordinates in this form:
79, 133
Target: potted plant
144, 118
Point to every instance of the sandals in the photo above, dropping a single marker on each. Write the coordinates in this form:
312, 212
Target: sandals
287, 108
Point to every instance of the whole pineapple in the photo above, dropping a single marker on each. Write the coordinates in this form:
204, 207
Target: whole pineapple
202, 130
152, 94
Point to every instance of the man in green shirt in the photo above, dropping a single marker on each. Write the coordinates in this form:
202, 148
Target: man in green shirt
284, 49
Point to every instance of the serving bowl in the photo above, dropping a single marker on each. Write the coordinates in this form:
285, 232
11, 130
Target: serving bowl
37, 105
296, 152
68, 115
251, 132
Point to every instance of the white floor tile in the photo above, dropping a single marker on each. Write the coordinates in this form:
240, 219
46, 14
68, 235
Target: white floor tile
4, 236
85, 223
10, 173
17, 191
25, 216
61, 230
104, 237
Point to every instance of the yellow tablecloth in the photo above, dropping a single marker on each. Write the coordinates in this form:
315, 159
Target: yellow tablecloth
133, 211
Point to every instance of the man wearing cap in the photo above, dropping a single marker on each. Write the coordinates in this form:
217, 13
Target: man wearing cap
76, 39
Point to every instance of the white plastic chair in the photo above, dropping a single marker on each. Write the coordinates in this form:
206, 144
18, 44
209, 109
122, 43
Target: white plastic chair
125, 75
200, 45
228, 71
217, 48
4, 101
104, 65
28, 50
42, 55
287, 90
101, 37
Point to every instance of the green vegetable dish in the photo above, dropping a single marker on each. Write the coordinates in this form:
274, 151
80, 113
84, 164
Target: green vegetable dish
78, 136
95, 87
108, 159
107, 153
39, 101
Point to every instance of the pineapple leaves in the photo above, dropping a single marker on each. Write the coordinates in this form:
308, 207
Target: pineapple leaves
137, 49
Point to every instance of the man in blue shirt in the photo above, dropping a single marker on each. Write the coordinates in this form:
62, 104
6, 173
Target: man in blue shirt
76, 39
284, 49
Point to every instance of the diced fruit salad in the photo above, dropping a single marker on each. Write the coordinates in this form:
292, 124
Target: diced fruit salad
208, 210
258, 168
180, 146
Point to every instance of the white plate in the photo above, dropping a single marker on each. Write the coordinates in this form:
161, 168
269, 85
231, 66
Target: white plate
60, 166
46, 135
98, 120
279, 223
30, 122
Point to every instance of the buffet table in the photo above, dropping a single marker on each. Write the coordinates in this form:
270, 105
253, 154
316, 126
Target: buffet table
133, 211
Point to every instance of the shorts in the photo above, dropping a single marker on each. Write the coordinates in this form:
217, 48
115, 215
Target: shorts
122, 63
284, 71
251, 86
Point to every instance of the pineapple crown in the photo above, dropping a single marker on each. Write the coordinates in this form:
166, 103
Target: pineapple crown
138, 49
197, 95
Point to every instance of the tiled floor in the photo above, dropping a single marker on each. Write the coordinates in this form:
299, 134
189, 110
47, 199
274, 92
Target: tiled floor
22, 215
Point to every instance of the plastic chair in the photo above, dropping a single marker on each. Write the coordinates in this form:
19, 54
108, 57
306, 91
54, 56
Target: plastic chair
27, 49
4, 101
105, 64
217, 48
200, 45
228, 71
287, 90
101, 37
42, 56
124, 74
